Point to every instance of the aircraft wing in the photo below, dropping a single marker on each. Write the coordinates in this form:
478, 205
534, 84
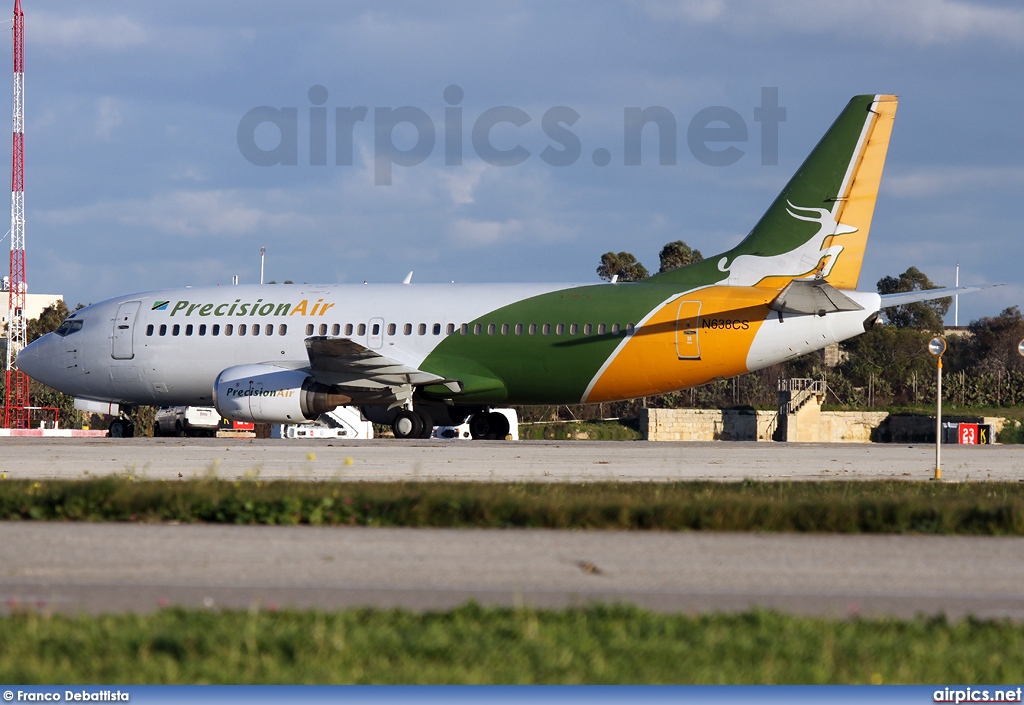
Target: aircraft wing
909, 297
346, 364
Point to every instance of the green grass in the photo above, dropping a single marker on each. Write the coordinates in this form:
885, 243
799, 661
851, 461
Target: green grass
984, 508
1013, 432
471, 644
580, 430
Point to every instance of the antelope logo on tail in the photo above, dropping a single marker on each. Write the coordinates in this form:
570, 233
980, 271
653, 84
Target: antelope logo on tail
747, 270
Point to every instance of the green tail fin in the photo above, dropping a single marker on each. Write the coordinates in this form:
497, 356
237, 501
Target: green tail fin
818, 225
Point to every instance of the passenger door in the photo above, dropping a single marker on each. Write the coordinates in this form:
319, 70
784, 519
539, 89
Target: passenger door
124, 330
688, 330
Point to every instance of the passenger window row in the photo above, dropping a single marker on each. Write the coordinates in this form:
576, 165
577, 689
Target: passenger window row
421, 329
480, 329
217, 329
546, 329
336, 329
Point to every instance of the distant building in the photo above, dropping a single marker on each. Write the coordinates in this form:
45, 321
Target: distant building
957, 332
34, 304
833, 356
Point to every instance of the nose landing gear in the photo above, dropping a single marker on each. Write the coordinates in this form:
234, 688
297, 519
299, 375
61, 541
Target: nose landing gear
121, 428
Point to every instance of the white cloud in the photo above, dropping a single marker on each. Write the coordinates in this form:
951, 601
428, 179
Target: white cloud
106, 34
927, 183
482, 233
477, 233
191, 174
227, 213
463, 182
108, 117
923, 22
700, 11
185, 36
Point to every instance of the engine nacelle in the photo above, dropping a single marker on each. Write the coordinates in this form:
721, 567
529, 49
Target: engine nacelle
268, 394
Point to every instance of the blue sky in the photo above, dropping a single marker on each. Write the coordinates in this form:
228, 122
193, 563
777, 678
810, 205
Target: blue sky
135, 179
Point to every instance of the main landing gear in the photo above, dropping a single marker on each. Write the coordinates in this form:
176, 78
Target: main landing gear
488, 425
410, 423
483, 425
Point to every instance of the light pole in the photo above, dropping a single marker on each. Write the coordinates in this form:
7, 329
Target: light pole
937, 346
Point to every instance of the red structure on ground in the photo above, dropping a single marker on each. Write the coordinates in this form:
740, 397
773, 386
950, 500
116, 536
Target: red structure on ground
16, 402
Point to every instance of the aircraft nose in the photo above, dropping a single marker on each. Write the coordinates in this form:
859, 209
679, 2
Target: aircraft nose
30, 360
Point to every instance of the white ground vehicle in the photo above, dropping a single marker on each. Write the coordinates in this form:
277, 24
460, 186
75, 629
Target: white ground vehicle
343, 422
465, 431
186, 421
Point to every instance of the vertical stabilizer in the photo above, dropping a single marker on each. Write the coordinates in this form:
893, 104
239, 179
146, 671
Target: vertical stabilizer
818, 226
857, 204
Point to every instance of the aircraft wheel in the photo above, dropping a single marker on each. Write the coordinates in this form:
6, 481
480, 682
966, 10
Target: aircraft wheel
499, 425
156, 430
428, 423
407, 425
480, 426
121, 428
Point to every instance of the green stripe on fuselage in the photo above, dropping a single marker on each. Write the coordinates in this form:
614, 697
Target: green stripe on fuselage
548, 369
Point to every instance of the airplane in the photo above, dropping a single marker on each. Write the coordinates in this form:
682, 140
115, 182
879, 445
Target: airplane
416, 356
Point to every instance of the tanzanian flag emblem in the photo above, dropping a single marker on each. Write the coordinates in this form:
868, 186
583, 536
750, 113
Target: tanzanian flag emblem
160, 306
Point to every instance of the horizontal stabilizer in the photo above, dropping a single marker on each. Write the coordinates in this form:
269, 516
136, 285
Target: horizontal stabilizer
910, 297
812, 296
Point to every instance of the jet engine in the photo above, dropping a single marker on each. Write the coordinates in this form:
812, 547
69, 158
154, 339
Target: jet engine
268, 394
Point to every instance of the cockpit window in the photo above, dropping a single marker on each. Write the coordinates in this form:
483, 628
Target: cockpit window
69, 326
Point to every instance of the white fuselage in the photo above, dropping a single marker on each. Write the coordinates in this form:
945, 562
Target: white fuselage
167, 348
172, 356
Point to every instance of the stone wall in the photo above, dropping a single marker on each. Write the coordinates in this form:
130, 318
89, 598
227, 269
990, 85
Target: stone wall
812, 426
750, 425
850, 426
997, 422
706, 424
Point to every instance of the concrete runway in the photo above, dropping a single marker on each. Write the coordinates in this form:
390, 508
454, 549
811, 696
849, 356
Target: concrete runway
539, 461
121, 567
139, 568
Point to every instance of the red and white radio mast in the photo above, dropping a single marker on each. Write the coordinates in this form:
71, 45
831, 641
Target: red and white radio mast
16, 411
